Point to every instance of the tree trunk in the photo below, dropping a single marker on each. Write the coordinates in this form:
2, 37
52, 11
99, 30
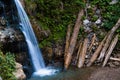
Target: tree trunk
92, 42
78, 53
108, 40
73, 40
67, 39
112, 45
83, 54
115, 59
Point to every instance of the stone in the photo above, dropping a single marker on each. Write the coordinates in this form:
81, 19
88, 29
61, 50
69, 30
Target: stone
10, 35
2, 21
111, 65
98, 21
23, 3
117, 63
113, 2
86, 22
19, 74
0, 78
98, 11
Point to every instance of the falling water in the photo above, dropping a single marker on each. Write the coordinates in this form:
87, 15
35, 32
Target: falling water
26, 28
35, 53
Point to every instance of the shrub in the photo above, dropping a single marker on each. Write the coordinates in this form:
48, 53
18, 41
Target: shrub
7, 66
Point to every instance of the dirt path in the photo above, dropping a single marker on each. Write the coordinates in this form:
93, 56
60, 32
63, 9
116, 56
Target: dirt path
105, 74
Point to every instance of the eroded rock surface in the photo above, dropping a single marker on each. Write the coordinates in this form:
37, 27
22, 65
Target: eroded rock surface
19, 74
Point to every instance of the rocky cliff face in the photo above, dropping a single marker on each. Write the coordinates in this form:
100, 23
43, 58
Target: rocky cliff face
11, 38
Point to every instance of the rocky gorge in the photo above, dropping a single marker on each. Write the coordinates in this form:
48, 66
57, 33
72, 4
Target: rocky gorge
93, 22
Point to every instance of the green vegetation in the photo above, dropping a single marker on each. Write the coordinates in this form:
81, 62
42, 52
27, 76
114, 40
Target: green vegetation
7, 66
110, 12
55, 15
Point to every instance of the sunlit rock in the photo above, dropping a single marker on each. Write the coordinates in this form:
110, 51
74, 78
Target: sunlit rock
98, 21
86, 22
19, 74
0, 78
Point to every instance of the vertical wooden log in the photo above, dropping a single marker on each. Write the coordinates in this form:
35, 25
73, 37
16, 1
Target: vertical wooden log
67, 39
73, 40
78, 53
110, 49
83, 54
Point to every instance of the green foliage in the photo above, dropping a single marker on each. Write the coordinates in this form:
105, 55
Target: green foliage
55, 15
7, 66
110, 12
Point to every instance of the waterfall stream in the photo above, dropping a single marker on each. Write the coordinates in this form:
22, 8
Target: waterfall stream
34, 51
26, 28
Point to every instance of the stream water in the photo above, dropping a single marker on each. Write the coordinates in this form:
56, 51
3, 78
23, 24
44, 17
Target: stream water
73, 73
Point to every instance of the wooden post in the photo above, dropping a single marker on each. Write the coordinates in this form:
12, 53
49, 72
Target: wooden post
73, 40
112, 45
83, 54
67, 39
92, 42
115, 59
78, 53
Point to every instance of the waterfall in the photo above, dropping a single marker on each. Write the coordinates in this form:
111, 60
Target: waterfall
34, 51
26, 28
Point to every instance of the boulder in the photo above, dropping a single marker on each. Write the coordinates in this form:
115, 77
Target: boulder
19, 74
10, 35
0, 78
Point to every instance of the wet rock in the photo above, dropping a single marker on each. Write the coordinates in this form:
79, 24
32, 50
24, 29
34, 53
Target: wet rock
10, 35
23, 3
19, 74
21, 57
0, 78
2, 21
